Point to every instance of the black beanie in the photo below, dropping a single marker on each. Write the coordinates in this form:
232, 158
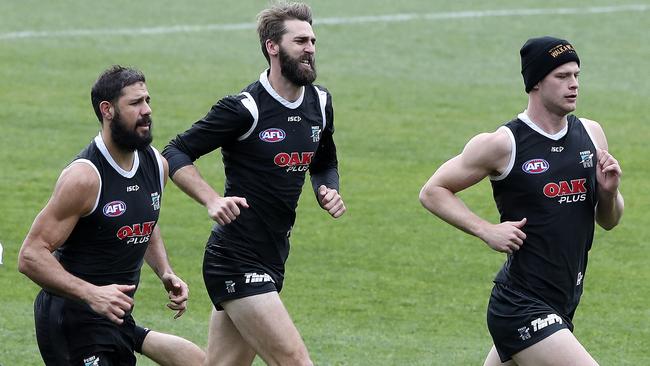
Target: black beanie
540, 56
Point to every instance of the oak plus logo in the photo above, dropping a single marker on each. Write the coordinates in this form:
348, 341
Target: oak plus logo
136, 233
272, 135
294, 161
535, 166
567, 192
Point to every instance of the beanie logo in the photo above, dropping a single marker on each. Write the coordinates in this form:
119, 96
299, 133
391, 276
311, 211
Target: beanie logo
558, 50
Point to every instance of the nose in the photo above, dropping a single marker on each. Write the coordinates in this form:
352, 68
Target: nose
574, 83
146, 110
310, 48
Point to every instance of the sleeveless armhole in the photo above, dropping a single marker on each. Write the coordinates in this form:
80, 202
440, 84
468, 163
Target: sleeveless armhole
591, 137
161, 170
250, 104
513, 154
86, 161
322, 98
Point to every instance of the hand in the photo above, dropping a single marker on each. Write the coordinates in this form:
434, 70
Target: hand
178, 293
331, 201
225, 210
506, 237
608, 172
111, 301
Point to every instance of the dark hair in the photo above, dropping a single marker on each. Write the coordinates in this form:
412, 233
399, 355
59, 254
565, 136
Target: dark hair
110, 83
270, 22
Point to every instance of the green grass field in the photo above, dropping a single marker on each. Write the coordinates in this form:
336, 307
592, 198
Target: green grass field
387, 284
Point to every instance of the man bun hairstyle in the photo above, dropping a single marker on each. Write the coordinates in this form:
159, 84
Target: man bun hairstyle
109, 85
541, 55
270, 22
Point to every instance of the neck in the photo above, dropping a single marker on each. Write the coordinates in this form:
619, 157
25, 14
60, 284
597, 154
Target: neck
122, 157
286, 89
545, 119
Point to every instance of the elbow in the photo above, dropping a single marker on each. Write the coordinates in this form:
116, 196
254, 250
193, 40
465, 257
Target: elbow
427, 197
26, 261
609, 225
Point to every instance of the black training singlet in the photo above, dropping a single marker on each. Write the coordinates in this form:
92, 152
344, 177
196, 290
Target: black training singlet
108, 245
552, 182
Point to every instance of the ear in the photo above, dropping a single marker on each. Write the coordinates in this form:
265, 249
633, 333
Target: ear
272, 48
107, 110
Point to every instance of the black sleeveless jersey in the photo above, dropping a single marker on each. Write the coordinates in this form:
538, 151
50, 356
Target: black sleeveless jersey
551, 181
107, 246
267, 144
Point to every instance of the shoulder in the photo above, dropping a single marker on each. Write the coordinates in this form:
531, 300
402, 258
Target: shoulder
490, 150
78, 186
498, 142
595, 130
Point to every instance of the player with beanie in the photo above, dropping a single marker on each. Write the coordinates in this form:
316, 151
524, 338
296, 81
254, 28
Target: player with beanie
552, 180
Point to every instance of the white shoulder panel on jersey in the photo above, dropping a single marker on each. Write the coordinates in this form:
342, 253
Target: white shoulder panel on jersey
250, 104
161, 169
591, 136
513, 155
99, 191
322, 97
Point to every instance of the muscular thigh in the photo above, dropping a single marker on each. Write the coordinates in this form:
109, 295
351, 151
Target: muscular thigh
263, 321
560, 348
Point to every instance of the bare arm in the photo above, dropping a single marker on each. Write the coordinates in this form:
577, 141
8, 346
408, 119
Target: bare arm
74, 195
608, 175
156, 258
483, 155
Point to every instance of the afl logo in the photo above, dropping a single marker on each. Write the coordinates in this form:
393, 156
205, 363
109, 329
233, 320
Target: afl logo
535, 166
272, 135
114, 208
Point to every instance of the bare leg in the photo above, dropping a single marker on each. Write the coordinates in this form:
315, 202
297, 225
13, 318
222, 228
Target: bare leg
264, 323
561, 348
225, 345
493, 359
170, 350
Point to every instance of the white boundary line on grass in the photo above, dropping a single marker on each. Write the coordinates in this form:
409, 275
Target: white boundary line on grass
389, 18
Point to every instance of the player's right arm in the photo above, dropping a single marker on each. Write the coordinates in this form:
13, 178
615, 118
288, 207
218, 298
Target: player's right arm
74, 196
485, 154
226, 121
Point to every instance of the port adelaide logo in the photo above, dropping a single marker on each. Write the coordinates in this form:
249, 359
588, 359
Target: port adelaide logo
272, 135
535, 166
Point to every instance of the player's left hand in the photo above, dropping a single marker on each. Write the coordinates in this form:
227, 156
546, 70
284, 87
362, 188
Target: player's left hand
178, 293
608, 172
330, 200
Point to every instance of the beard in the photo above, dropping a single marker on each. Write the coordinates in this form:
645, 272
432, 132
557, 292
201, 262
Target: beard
130, 140
294, 72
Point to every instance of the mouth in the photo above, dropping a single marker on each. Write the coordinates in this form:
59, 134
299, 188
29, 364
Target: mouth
306, 61
571, 97
144, 124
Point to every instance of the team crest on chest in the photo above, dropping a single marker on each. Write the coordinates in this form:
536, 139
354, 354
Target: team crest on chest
315, 133
155, 201
586, 159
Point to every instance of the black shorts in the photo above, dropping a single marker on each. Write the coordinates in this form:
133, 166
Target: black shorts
231, 275
70, 333
517, 320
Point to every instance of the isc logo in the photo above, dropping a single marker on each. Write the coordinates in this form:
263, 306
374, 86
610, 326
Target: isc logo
535, 166
114, 208
293, 119
272, 135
